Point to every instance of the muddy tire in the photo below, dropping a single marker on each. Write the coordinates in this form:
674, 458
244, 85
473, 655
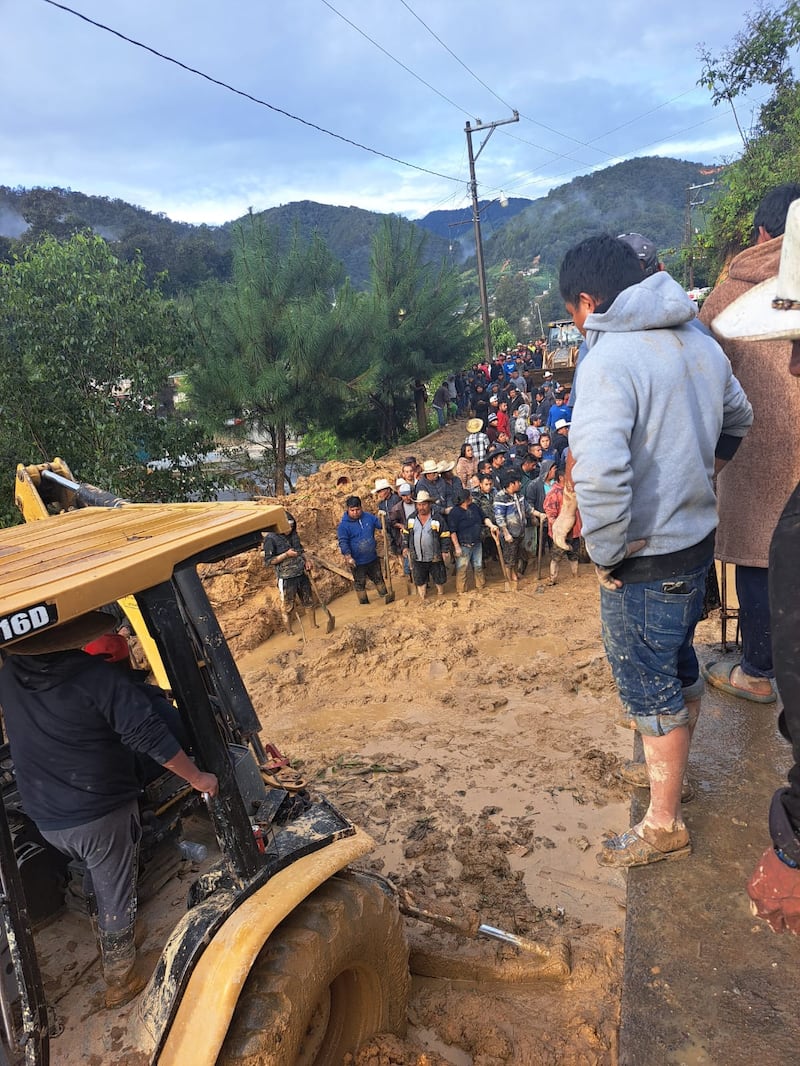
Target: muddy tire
334, 973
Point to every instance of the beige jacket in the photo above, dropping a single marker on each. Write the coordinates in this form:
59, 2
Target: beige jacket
754, 487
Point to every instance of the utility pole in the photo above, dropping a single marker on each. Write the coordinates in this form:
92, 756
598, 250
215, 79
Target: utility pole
476, 221
688, 235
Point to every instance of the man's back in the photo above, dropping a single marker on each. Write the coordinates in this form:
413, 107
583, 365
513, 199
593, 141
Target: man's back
658, 393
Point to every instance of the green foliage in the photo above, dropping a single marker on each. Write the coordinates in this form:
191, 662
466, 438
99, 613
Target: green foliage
415, 326
273, 343
86, 349
502, 336
512, 301
761, 54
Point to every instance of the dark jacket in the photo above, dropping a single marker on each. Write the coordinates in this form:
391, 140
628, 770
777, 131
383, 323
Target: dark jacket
74, 723
276, 544
536, 490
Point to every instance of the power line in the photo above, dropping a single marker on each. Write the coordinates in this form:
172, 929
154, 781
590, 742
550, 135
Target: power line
394, 59
246, 95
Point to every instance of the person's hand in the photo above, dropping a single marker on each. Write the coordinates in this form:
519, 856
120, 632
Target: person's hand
203, 782
308, 567
563, 525
291, 553
774, 891
603, 573
507, 537
350, 561
458, 553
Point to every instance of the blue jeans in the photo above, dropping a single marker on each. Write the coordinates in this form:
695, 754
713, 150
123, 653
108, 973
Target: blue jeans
648, 629
440, 415
752, 591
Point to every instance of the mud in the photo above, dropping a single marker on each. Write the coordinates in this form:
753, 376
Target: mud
475, 739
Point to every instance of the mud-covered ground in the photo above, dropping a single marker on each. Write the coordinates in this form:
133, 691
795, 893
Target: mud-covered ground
475, 738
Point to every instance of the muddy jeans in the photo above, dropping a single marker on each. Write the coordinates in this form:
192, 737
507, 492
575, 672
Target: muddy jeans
109, 848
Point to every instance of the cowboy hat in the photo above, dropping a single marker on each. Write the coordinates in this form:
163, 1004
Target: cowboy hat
380, 484
430, 466
445, 466
424, 497
771, 310
475, 425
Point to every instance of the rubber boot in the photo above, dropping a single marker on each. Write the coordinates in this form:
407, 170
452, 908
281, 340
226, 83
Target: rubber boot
382, 590
362, 595
118, 955
553, 571
573, 567
461, 579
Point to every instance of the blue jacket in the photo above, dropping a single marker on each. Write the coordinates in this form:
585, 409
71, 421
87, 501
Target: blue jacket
357, 537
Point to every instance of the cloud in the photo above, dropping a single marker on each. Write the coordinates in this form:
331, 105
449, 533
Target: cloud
88, 111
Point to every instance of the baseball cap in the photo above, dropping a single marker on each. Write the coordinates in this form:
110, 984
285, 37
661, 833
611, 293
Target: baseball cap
645, 250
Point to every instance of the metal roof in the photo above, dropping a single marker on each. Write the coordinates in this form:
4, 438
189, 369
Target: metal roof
63, 566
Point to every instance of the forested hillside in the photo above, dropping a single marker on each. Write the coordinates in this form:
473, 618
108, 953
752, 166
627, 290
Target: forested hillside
190, 255
645, 195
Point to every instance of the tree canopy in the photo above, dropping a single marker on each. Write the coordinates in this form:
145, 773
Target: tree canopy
760, 54
86, 347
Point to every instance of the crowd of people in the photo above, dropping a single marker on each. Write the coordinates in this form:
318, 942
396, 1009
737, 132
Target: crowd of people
596, 463
495, 500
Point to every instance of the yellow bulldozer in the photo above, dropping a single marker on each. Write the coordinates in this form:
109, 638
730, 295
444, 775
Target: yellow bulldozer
267, 949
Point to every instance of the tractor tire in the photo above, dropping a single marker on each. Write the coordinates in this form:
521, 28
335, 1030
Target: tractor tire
334, 973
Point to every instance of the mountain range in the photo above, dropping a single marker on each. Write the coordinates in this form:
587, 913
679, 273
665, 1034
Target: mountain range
648, 195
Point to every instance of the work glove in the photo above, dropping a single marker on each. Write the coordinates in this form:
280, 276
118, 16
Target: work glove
774, 891
604, 572
564, 524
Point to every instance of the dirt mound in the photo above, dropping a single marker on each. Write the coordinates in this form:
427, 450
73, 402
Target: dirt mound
475, 739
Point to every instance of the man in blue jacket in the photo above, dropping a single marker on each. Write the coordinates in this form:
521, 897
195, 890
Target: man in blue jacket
648, 509
356, 535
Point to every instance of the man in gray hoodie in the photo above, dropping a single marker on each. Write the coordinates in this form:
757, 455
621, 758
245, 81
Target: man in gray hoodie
649, 509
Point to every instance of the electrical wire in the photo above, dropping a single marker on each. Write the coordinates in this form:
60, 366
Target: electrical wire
246, 95
394, 59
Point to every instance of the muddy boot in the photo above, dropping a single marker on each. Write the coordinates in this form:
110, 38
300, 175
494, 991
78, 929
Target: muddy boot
118, 954
382, 590
573, 567
461, 579
362, 595
286, 617
553, 571
480, 579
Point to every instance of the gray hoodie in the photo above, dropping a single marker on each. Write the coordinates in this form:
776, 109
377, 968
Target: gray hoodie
655, 396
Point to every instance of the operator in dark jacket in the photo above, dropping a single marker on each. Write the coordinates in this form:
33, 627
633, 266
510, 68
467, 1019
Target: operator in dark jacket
75, 725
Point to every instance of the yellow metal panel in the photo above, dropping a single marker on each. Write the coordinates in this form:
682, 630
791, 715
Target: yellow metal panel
213, 991
85, 558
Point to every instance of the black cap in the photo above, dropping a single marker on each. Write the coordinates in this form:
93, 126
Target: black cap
645, 250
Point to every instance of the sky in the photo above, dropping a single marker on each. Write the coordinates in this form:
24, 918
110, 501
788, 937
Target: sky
594, 83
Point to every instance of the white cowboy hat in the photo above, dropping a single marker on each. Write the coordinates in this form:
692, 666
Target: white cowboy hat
475, 425
445, 467
430, 466
771, 310
381, 484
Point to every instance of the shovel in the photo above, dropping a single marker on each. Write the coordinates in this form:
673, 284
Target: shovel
539, 547
331, 621
389, 597
506, 581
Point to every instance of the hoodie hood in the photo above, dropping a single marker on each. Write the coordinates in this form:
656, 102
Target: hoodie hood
657, 302
546, 469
